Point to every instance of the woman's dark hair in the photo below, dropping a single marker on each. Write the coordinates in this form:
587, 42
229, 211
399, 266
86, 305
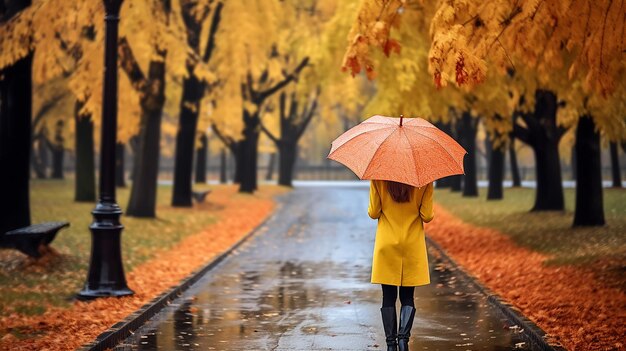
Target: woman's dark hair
399, 192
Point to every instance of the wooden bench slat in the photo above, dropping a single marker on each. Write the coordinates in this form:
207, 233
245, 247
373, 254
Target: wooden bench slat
40, 228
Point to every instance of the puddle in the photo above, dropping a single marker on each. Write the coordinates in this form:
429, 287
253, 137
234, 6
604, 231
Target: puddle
304, 285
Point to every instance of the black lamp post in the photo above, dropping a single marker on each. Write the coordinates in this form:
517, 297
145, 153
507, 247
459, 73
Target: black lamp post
106, 272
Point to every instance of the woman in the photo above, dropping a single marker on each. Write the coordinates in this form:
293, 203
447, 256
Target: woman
400, 258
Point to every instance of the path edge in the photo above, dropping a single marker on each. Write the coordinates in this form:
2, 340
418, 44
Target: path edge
532, 333
125, 328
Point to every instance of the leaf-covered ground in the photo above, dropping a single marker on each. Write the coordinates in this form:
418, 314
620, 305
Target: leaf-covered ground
38, 310
569, 281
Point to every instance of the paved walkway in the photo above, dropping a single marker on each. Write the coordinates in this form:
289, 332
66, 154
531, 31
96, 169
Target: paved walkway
303, 284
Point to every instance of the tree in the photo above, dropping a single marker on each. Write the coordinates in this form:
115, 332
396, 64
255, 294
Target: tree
142, 202
542, 134
589, 209
201, 159
223, 178
496, 143
58, 151
248, 150
259, 59
74, 52
15, 126
615, 170
120, 169
446, 128
547, 37
515, 176
589, 205
468, 126
163, 44
48, 98
85, 184
194, 84
293, 123
563, 53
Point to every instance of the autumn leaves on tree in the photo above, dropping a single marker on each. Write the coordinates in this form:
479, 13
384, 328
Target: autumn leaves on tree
257, 72
551, 65
184, 66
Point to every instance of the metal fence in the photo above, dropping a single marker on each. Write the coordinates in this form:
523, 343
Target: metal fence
309, 172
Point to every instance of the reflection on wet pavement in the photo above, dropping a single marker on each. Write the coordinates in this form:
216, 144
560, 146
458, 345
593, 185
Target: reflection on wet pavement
303, 284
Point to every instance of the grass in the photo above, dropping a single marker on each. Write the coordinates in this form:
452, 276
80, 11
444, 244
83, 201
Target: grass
27, 287
550, 233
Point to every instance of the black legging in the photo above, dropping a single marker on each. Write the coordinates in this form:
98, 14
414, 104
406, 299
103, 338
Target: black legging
390, 293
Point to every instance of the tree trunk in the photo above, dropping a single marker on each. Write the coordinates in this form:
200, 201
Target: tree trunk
270, 167
247, 169
456, 182
543, 135
496, 172
238, 157
443, 183
288, 152
549, 194
134, 148
248, 152
186, 139
120, 175
223, 160
15, 142
468, 141
573, 162
615, 170
85, 182
142, 202
515, 176
39, 156
201, 159
58, 152
589, 206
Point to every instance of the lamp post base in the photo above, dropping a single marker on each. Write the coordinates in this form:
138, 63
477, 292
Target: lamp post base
88, 294
106, 271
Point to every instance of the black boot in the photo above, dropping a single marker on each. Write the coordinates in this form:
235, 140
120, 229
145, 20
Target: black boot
390, 325
404, 329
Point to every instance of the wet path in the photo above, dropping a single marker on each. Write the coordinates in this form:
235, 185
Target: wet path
303, 284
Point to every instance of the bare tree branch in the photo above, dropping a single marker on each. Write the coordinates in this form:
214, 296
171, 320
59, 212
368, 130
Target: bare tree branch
210, 46
270, 135
307, 119
130, 66
522, 134
262, 95
226, 140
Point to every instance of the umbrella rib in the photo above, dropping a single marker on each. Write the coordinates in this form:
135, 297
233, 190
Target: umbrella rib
358, 135
413, 158
385, 124
435, 140
369, 163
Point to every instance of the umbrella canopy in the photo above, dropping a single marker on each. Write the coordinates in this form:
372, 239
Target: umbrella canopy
405, 150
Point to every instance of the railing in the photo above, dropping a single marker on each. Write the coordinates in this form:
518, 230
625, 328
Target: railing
341, 173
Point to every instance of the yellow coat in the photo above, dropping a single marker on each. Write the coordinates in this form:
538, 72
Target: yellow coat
400, 256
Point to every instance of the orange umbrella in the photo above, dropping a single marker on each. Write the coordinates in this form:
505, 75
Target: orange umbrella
405, 150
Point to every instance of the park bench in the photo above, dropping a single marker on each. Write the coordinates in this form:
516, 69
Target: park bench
199, 196
30, 239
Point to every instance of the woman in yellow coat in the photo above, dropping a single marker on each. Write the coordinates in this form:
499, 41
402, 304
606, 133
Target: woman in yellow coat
400, 258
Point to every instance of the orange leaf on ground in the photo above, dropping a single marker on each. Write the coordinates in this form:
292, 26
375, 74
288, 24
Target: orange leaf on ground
570, 303
68, 329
